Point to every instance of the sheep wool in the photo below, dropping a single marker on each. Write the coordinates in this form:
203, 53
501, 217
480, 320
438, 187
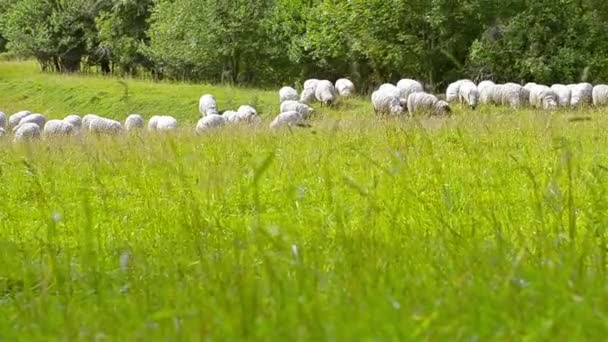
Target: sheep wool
543, 97
453, 90
287, 119
207, 105
38, 119
426, 103
392, 90
74, 120
101, 125
385, 102
345, 87
303, 109
14, 119
582, 94
134, 122
563, 94
210, 122
86, 121
26, 131
408, 86
483, 85
288, 94
310, 89
600, 95
58, 128
326, 93
163, 123
468, 94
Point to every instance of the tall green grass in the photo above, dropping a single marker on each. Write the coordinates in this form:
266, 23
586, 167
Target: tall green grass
486, 225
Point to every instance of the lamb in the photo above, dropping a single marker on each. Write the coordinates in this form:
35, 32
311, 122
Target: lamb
288, 119
600, 95
385, 102
288, 94
163, 123
408, 86
101, 125
423, 102
58, 128
26, 131
563, 94
74, 120
2, 120
310, 89
326, 93
210, 122
207, 105
582, 94
38, 119
543, 97
134, 122
301, 108
345, 87
14, 119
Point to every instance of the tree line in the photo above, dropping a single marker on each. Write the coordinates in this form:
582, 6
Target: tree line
270, 42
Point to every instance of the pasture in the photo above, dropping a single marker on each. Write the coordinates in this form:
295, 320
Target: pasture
486, 225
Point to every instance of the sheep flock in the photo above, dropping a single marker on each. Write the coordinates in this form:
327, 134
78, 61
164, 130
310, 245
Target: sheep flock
407, 97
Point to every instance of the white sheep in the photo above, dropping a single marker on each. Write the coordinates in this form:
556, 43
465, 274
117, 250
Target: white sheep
468, 94
100, 125
423, 102
563, 94
14, 119
207, 105
38, 119
210, 122
301, 108
134, 122
309, 91
326, 93
345, 87
58, 128
385, 102
483, 85
600, 95
509, 94
2, 120
543, 97
453, 91
288, 119
74, 120
231, 116
288, 94
393, 91
247, 113
582, 94
86, 121
163, 123
26, 131
408, 86
487, 94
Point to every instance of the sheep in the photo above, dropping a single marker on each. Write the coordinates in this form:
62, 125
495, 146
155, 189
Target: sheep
310, 89
582, 94
345, 87
74, 120
58, 128
288, 94
301, 108
288, 119
408, 86
423, 102
326, 93
2, 120
483, 85
248, 114
38, 119
543, 97
487, 94
468, 93
86, 121
385, 102
26, 131
101, 125
392, 90
134, 122
14, 119
231, 116
163, 123
600, 95
207, 105
453, 91
210, 122
509, 94
563, 94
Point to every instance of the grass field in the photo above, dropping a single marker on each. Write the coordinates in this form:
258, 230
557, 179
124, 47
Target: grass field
486, 225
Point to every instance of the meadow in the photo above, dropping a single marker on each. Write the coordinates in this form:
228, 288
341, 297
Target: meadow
486, 225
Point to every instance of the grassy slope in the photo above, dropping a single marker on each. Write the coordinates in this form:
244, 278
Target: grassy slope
486, 225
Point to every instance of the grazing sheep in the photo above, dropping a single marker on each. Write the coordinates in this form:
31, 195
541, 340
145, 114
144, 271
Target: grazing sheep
301, 108
288, 94
310, 89
101, 125
345, 87
86, 121
600, 95
487, 95
582, 95
509, 94
134, 122
288, 119
423, 102
207, 105
543, 97
483, 85
248, 114
14, 119
392, 90
408, 86
2, 120
326, 93
58, 128
163, 123
26, 131
74, 120
468, 94
231, 116
210, 122
38, 119
385, 102
453, 91
563, 94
